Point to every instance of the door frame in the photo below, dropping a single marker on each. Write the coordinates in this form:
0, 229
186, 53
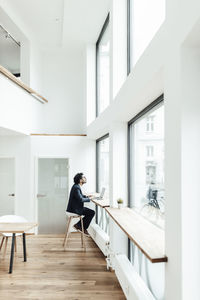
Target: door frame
36, 175
15, 176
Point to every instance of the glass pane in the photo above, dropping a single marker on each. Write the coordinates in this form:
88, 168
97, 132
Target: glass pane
103, 165
10, 52
152, 274
103, 71
52, 195
146, 18
147, 165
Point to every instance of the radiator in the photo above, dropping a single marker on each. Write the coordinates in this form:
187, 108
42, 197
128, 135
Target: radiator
132, 284
100, 237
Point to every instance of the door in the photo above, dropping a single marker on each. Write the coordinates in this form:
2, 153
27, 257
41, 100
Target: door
52, 194
7, 186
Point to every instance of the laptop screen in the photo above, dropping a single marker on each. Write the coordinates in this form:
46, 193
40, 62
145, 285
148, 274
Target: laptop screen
102, 192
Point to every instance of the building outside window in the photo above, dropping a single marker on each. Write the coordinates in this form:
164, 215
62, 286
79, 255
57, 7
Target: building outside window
103, 68
149, 151
147, 162
150, 123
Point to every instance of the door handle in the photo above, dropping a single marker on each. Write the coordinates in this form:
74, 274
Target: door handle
11, 195
41, 195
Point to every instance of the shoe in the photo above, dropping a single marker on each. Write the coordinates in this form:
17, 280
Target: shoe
86, 232
77, 228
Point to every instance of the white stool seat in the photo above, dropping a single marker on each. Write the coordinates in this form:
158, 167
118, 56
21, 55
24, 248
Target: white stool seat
70, 214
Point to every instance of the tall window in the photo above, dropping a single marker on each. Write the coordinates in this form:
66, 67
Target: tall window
146, 140
103, 164
146, 185
144, 19
103, 68
102, 178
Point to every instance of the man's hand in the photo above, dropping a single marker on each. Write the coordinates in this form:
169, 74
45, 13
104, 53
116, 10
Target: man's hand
89, 196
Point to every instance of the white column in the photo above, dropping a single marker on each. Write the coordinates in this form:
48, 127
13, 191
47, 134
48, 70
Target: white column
118, 35
190, 168
182, 119
173, 176
118, 181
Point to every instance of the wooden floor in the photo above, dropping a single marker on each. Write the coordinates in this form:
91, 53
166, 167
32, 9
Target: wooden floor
51, 273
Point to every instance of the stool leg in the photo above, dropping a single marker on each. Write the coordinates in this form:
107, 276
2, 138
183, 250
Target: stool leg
15, 245
82, 229
67, 232
3, 238
82, 234
5, 247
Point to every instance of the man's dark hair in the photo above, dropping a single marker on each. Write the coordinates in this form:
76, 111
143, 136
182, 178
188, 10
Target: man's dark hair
77, 178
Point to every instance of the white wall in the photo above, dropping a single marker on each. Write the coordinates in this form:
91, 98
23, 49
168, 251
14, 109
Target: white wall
56, 73
79, 150
19, 148
26, 150
64, 85
19, 111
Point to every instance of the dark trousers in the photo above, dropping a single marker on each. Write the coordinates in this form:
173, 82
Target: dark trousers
88, 215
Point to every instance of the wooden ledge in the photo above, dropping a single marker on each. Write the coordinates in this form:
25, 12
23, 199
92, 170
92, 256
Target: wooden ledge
102, 203
56, 134
14, 79
146, 236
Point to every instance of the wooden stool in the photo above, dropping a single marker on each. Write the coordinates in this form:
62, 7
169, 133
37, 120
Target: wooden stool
70, 217
5, 236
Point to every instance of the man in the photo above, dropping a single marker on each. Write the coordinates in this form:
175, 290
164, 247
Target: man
76, 203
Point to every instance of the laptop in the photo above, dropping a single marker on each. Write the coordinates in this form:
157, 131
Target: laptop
101, 194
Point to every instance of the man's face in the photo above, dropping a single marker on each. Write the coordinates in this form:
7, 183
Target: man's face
83, 180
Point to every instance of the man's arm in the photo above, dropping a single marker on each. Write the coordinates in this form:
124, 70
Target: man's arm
81, 197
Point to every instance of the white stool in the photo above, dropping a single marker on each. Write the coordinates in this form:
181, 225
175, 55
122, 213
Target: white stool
70, 217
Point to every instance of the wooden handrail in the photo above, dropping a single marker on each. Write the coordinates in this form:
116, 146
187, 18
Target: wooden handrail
56, 134
14, 79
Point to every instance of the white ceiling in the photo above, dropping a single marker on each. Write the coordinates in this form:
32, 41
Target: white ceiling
83, 20
56, 23
42, 18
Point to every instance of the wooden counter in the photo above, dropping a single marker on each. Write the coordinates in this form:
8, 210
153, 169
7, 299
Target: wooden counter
102, 203
146, 236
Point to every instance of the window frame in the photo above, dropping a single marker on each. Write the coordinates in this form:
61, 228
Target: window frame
147, 109
105, 26
97, 165
128, 37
